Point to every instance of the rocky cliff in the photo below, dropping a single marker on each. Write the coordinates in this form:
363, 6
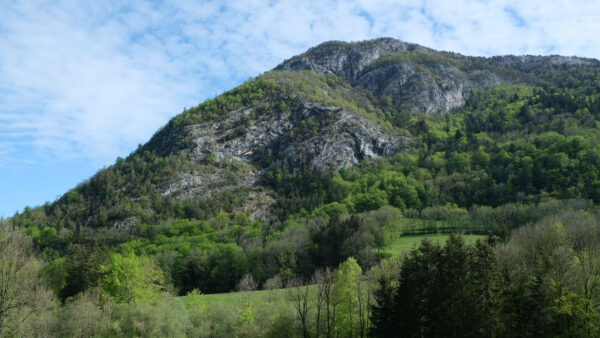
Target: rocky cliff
342, 138
424, 80
304, 136
347, 59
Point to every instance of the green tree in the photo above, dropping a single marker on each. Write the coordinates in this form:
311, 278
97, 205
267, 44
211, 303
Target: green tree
130, 278
22, 292
81, 270
350, 300
245, 324
386, 275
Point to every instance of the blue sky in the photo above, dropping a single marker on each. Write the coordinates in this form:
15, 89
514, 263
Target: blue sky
82, 82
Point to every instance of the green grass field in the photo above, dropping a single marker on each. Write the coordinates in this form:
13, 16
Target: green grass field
269, 303
238, 299
405, 243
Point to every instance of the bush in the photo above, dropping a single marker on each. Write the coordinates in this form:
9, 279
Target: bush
165, 317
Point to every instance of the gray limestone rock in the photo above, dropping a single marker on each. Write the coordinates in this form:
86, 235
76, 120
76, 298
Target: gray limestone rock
346, 59
342, 139
429, 88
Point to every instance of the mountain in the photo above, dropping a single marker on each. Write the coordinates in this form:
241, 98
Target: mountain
345, 129
317, 178
425, 80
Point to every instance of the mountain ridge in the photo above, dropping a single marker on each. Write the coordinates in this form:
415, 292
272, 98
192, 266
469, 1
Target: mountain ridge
332, 108
350, 60
387, 45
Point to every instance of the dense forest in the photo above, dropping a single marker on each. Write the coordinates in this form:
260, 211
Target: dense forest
519, 164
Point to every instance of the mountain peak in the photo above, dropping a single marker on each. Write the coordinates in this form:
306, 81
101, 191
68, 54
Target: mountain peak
346, 59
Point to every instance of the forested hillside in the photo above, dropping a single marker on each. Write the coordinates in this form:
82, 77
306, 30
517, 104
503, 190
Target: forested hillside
327, 161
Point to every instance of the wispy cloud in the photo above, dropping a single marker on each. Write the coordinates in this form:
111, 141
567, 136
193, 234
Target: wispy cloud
93, 79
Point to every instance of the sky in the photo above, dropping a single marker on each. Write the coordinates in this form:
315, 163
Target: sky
83, 82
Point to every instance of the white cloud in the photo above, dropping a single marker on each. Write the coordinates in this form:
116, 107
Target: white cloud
93, 79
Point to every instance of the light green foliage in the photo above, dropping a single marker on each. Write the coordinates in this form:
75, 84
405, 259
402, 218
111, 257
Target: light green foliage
282, 106
210, 159
165, 317
72, 196
246, 316
22, 292
80, 317
129, 278
448, 212
384, 224
329, 90
350, 300
245, 325
194, 299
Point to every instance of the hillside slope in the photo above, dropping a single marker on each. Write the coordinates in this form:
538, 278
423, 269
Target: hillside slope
347, 128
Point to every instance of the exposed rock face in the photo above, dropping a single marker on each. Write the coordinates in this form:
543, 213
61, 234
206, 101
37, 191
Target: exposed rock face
439, 89
346, 59
342, 144
341, 140
428, 87
124, 225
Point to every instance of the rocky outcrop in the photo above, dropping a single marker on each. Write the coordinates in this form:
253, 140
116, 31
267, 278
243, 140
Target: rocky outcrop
240, 146
429, 86
425, 87
346, 59
435, 88
341, 139
342, 144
